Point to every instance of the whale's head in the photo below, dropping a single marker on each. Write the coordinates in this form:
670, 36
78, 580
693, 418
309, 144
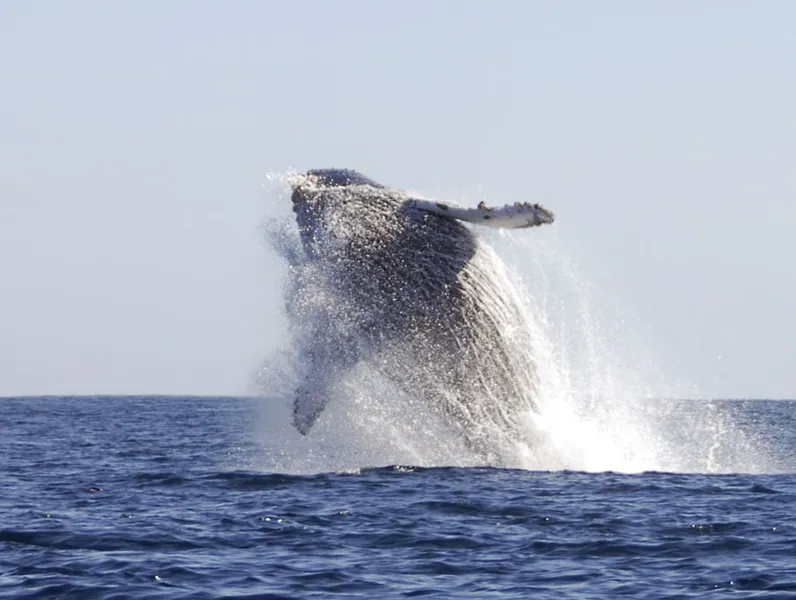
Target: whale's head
313, 192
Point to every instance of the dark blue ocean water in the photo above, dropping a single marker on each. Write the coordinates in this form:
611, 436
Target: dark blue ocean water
178, 498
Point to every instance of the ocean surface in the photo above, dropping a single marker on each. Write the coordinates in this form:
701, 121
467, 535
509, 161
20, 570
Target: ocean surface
183, 497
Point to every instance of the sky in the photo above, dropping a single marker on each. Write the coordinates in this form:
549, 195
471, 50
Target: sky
136, 139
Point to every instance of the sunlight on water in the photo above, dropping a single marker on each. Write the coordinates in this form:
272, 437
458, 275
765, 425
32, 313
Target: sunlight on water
603, 403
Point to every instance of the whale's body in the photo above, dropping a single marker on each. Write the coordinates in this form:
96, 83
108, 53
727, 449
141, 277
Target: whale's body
417, 295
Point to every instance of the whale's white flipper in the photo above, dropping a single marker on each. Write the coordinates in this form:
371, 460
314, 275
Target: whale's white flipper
511, 216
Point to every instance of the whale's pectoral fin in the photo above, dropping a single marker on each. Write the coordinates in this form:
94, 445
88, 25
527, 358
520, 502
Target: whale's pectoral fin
324, 367
510, 216
307, 407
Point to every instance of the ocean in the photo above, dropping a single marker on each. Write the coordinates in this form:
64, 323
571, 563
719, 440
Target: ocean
205, 497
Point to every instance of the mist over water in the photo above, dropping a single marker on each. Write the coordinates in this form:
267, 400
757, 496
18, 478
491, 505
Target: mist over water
603, 404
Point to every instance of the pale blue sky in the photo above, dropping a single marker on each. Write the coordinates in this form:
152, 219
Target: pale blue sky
135, 138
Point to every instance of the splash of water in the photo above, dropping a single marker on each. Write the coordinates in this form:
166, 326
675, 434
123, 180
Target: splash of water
602, 401
607, 403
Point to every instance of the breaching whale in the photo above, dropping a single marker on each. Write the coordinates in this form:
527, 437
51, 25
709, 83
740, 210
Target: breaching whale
406, 285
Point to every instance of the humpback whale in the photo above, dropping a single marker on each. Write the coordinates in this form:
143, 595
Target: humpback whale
406, 285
